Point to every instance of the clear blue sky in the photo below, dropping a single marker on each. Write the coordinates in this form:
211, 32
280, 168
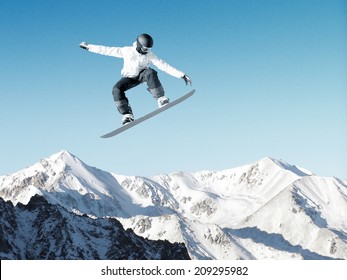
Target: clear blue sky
270, 75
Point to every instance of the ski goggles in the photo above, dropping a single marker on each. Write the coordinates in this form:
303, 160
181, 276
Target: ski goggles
142, 49
145, 49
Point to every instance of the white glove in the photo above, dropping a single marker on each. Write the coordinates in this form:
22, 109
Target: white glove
187, 80
84, 45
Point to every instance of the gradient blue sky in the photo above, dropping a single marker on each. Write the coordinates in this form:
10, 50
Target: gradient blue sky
270, 75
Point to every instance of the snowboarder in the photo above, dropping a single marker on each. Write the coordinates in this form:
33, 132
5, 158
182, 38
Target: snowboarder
136, 70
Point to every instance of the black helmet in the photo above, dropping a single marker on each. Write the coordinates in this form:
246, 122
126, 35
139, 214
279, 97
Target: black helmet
144, 43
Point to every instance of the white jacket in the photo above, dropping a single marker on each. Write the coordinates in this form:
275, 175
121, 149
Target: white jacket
135, 62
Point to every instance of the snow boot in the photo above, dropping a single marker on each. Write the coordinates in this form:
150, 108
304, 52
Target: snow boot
162, 101
127, 118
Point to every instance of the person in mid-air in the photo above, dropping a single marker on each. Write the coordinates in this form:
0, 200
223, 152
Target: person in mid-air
137, 59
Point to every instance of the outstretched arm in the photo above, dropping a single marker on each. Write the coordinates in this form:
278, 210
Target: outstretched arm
164, 66
103, 50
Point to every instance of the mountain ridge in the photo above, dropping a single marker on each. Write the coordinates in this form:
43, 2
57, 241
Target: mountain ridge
217, 214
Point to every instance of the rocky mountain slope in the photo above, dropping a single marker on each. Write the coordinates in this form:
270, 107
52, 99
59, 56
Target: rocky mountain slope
40, 230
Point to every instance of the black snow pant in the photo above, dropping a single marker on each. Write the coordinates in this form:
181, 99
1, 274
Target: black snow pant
149, 76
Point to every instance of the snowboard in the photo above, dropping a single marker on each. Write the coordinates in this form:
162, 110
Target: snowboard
149, 115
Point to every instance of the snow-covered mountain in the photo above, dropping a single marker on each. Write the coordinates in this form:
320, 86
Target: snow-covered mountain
265, 210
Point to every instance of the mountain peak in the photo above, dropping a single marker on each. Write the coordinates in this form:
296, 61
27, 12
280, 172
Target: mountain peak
62, 160
286, 166
63, 155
